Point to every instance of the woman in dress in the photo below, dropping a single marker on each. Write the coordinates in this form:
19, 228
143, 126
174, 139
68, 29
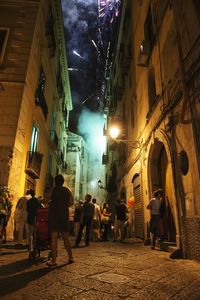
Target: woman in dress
58, 218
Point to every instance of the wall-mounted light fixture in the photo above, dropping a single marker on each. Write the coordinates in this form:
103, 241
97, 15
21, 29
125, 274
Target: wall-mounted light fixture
100, 185
114, 133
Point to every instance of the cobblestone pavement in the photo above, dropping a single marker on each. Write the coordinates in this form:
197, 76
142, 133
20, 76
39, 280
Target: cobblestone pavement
101, 271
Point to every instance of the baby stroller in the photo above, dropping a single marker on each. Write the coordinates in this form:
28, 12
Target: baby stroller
41, 239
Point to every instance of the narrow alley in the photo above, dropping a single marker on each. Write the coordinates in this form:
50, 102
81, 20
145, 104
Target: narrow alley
104, 270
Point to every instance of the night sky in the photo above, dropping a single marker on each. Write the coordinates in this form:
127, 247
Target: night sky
90, 28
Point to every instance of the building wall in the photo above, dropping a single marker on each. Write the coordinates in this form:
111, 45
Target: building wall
77, 166
28, 50
161, 125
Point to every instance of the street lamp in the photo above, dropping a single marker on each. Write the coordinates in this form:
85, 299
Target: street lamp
114, 133
100, 185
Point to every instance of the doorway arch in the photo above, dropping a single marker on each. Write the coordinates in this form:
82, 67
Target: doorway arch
160, 177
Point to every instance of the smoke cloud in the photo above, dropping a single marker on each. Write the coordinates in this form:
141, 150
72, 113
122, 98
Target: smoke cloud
90, 126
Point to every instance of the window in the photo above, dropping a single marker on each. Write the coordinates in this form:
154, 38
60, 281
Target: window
197, 6
151, 88
51, 42
59, 82
148, 28
159, 11
39, 97
4, 32
34, 139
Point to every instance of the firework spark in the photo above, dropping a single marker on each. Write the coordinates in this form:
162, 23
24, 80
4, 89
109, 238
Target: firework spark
73, 69
87, 98
109, 7
77, 54
95, 45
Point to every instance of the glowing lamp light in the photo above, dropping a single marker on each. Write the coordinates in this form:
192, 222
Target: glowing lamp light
131, 202
114, 132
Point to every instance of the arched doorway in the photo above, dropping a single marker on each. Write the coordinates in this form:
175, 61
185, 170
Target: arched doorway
139, 216
160, 178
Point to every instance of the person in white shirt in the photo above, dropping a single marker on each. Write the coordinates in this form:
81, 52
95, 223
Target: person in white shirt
20, 218
154, 207
96, 221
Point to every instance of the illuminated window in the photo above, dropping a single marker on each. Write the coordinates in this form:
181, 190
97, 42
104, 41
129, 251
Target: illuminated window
34, 139
4, 32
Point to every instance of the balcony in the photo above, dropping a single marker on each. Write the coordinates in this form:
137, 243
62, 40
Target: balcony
64, 167
59, 157
125, 57
33, 164
51, 41
40, 101
104, 159
54, 139
144, 53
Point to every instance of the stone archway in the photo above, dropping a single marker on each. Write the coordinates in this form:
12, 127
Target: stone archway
160, 177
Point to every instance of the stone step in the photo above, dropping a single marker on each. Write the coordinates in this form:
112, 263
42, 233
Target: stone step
171, 249
165, 246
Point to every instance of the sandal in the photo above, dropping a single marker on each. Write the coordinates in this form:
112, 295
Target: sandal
51, 264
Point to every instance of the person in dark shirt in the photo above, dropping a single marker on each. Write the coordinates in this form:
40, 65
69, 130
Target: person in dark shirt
33, 204
86, 220
58, 218
121, 217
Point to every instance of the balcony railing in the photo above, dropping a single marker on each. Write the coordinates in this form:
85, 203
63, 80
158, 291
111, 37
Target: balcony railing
40, 101
104, 159
33, 164
64, 167
54, 139
59, 157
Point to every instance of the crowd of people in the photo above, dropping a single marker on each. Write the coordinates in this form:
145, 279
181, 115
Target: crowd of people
84, 221
92, 222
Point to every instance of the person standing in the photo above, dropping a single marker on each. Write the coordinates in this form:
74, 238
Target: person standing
86, 220
120, 220
20, 218
33, 204
77, 216
71, 220
61, 200
96, 220
154, 207
105, 222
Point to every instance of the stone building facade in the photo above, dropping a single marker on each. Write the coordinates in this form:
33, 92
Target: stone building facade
35, 97
77, 166
153, 94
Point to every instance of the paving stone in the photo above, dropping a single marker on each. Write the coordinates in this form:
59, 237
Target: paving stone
91, 295
112, 278
101, 271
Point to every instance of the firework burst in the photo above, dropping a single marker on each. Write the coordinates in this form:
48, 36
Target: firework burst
109, 8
